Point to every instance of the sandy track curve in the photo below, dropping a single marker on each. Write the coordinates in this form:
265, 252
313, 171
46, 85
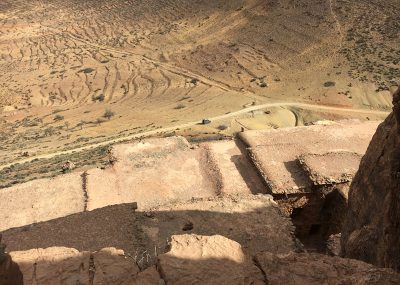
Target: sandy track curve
191, 124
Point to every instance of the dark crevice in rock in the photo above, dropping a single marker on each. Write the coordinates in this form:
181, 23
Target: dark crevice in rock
316, 217
258, 265
92, 269
84, 188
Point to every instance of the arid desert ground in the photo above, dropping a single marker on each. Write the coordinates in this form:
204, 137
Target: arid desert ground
80, 74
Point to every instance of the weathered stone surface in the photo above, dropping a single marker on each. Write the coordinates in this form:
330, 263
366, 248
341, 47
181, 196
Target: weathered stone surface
54, 265
210, 260
236, 172
330, 168
275, 152
112, 267
149, 276
317, 269
150, 173
67, 266
372, 227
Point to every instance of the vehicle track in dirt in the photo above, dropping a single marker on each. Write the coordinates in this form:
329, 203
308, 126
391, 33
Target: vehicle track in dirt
193, 123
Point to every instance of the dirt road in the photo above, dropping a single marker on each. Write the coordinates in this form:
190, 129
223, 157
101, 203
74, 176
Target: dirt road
191, 124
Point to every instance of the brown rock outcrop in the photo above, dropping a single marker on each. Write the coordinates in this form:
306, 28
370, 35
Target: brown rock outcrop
316, 269
372, 228
192, 259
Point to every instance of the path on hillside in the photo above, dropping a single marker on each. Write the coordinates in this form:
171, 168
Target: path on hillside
191, 124
338, 25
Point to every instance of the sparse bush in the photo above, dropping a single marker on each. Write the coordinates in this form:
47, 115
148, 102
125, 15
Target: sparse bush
99, 121
99, 98
49, 131
108, 114
222, 127
329, 84
180, 106
87, 70
81, 123
58, 118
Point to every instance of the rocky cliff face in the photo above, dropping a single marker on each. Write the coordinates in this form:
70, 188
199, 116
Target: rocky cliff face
372, 228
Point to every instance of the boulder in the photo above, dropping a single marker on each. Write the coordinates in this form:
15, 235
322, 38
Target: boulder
317, 269
371, 231
195, 259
